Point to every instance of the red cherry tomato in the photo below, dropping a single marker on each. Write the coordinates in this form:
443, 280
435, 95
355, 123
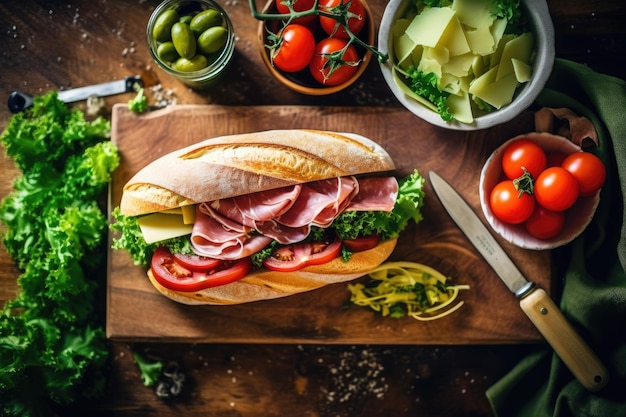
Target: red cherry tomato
362, 243
523, 153
588, 170
298, 6
509, 205
322, 69
556, 189
297, 256
544, 223
356, 19
174, 276
296, 49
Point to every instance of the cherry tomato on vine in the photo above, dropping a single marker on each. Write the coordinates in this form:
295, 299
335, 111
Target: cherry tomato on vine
588, 170
509, 204
355, 23
298, 6
556, 189
296, 49
322, 69
544, 223
523, 153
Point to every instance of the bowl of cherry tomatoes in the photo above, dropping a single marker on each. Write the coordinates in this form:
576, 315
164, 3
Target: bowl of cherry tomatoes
540, 191
313, 54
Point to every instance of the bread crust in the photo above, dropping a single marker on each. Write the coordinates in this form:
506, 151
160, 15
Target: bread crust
266, 285
229, 166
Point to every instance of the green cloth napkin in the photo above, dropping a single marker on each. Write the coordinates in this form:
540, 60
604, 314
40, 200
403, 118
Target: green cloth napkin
594, 283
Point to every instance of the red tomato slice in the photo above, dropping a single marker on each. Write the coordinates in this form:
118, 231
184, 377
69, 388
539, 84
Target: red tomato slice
174, 276
362, 243
195, 262
297, 256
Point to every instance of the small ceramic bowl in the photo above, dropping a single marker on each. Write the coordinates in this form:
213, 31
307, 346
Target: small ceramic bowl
302, 81
541, 27
577, 217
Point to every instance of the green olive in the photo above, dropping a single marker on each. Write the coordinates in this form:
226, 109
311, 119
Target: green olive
163, 25
212, 39
204, 20
184, 40
167, 52
188, 65
186, 18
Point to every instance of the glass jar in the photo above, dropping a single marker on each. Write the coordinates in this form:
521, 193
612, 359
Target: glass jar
217, 62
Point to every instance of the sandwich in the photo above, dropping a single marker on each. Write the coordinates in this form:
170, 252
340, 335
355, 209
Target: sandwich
257, 216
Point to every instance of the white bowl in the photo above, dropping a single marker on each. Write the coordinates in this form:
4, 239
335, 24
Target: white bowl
577, 217
543, 30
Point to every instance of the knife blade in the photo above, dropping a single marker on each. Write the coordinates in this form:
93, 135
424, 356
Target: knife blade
19, 101
534, 301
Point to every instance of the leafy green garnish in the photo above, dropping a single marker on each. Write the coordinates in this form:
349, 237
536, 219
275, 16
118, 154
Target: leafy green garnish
425, 85
150, 371
139, 103
52, 344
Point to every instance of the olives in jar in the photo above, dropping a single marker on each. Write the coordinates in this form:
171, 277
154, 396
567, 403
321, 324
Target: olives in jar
186, 39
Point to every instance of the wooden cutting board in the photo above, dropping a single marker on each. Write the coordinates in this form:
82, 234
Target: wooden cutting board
490, 314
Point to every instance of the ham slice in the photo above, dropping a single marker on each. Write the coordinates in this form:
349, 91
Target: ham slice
240, 226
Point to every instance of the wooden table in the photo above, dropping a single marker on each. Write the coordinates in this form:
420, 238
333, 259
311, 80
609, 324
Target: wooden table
60, 45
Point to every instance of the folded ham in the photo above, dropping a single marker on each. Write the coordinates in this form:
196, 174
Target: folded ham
237, 227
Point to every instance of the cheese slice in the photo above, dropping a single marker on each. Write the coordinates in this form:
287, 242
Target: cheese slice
428, 27
161, 226
189, 214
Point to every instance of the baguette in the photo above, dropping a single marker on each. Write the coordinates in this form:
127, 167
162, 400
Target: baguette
229, 166
236, 165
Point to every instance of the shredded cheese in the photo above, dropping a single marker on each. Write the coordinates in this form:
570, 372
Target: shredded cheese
407, 288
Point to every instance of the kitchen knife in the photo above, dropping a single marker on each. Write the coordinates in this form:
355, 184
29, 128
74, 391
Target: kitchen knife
535, 302
19, 101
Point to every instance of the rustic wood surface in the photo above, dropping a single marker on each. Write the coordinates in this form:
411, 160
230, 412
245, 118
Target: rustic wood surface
48, 45
490, 313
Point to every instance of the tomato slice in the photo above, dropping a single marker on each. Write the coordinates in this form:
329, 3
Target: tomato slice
174, 276
196, 262
362, 243
297, 256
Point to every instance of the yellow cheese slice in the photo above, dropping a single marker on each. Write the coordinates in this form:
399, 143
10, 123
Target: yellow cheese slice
460, 106
519, 48
189, 214
522, 70
453, 38
473, 13
459, 65
500, 93
481, 41
428, 27
161, 226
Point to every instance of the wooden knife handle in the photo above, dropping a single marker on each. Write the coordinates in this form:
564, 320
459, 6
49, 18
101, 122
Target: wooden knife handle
565, 341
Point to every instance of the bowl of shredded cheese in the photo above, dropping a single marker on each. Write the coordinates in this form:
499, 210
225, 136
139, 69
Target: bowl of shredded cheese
467, 64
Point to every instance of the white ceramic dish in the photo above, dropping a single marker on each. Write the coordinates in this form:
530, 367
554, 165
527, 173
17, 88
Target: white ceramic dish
577, 217
541, 26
